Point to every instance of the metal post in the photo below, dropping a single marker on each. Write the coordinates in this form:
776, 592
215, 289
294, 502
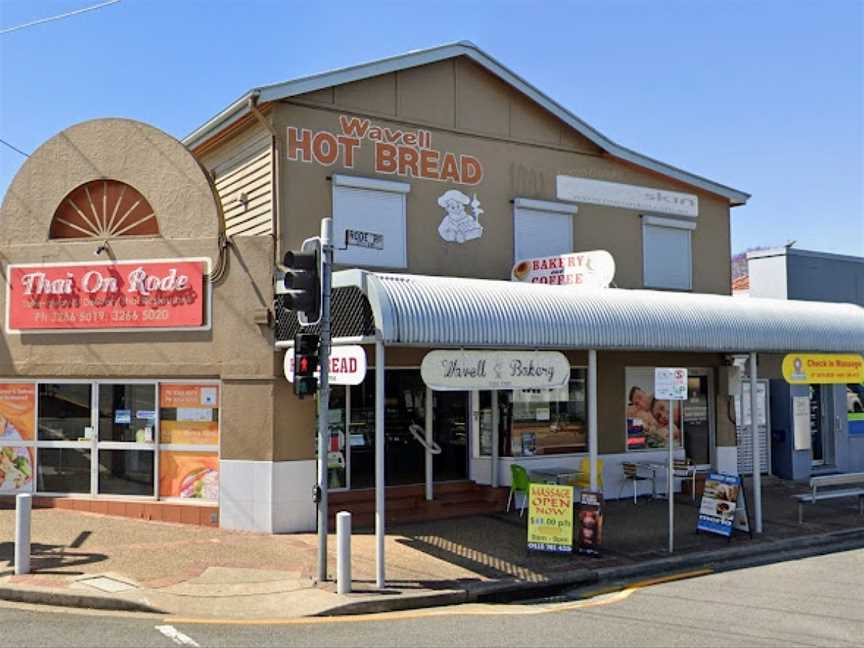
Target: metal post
429, 439
757, 448
495, 421
23, 509
592, 416
324, 394
670, 444
379, 465
343, 553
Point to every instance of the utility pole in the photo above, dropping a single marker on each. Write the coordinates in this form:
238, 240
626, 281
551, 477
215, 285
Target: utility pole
324, 393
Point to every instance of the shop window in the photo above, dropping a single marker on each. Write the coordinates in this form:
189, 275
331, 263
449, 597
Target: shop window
647, 419
369, 222
103, 209
667, 255
189, 440
541, 228
545, 421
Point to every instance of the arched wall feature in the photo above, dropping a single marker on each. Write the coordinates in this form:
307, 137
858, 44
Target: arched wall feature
159, 168
103, 209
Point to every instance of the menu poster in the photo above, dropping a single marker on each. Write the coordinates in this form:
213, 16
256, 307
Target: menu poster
189, 475
189, 414
17, 425
550, 518
590, 523
719, 502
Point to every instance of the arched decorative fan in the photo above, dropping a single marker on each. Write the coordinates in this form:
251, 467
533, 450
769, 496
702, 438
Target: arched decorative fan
103, 209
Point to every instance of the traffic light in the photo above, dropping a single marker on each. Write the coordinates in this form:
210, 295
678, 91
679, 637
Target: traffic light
305, 364
303, 281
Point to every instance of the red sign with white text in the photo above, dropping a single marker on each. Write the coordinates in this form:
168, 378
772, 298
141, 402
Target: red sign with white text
104, 296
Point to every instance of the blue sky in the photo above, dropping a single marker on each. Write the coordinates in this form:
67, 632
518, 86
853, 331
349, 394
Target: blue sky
767, 97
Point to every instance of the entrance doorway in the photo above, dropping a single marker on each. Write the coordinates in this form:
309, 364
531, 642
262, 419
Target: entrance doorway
450, 432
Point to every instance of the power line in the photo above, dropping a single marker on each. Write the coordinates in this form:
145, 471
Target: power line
14, 148
65, 15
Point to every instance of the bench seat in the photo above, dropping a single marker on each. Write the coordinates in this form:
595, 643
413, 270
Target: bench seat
849, 492
817, 495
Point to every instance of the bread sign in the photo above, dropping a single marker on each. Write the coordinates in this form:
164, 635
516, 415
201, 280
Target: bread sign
594, 269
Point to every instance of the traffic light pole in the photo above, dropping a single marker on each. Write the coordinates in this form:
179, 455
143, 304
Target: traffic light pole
324, 393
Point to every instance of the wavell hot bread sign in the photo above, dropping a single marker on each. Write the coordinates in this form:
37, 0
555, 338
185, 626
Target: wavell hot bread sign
124, 295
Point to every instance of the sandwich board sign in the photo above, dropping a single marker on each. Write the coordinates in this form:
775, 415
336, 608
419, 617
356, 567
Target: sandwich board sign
723, 507
550, 518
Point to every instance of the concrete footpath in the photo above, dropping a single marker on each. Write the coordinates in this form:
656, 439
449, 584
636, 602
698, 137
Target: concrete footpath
96, 561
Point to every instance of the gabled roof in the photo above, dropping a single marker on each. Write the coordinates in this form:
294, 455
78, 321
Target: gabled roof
415, 58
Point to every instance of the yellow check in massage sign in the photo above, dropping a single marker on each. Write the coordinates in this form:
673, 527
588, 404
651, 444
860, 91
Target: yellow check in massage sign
823, 368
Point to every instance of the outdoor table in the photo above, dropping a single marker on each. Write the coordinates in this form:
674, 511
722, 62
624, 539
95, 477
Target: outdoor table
653, 467
555, 474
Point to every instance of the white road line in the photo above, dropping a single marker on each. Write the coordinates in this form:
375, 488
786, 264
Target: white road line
176, 636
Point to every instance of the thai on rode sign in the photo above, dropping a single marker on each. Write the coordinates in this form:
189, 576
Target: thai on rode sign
123, 295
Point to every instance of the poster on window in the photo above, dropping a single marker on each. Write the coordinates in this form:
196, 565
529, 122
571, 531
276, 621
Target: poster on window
189, 475
189, 414
17, 424
648, 417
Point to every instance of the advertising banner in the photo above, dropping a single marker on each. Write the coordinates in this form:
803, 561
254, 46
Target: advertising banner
550, 518
616, 194
347, 365
106, 296
823, 368
459, 370
719, 501
590, 523
189, 475
189, 414
594, 269
17, 426
646, 413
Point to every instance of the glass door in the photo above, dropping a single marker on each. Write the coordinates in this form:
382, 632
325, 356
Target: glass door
450, 432
126, 448
817, 423
65, 438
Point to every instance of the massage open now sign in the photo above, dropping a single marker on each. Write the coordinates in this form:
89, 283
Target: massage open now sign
124, 295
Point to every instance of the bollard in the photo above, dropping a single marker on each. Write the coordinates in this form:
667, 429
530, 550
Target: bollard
343, 552
23, 507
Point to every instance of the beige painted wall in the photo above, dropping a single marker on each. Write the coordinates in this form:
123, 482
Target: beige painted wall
522, 149
237, 350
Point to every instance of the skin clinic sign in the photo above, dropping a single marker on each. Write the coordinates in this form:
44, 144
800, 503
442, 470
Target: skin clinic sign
615, 194
124, 295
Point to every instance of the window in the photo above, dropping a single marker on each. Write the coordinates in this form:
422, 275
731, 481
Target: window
667, 252
369, 222
545, 421
103, 209
541, 228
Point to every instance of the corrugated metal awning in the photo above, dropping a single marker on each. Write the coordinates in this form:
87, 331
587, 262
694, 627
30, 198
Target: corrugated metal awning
417, 310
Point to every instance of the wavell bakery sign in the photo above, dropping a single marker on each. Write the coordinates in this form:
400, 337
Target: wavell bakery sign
395, 151
459, 370
103, 296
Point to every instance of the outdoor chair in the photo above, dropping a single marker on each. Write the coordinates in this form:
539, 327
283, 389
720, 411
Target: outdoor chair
583, 481
631, 473
684, 469
519, 482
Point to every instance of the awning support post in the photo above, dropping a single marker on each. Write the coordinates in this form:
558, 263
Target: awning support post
495, 416
757, 448
379, 465
429, 440
592, 416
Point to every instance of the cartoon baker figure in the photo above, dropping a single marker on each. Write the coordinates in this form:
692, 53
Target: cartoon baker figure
458, 225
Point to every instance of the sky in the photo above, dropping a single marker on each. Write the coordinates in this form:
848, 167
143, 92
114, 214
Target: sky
765, 97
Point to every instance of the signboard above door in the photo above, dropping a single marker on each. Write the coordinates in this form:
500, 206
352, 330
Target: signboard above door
594, 269
615, 194
823, 369
458, 370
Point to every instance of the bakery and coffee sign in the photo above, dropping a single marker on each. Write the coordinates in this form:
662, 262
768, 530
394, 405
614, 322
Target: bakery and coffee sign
616, 194
459, 370
163, 294
395, 151
593, 269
